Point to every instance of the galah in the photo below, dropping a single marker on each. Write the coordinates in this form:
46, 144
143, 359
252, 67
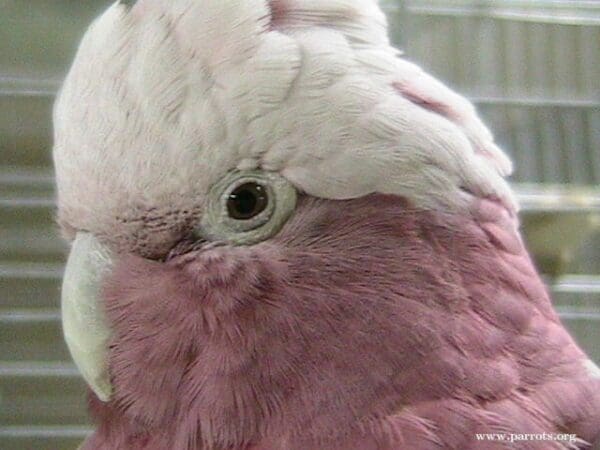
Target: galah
285, 236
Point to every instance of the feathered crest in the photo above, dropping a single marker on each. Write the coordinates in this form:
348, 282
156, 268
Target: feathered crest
165, 97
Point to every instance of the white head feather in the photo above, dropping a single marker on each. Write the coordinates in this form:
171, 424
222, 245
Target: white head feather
165, 98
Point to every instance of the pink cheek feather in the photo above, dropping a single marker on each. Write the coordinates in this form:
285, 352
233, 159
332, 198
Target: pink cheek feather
356, 311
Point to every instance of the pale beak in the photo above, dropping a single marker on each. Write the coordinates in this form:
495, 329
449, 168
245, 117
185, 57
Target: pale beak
83, 318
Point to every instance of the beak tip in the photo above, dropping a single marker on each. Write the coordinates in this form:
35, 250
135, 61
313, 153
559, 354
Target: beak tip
102, 389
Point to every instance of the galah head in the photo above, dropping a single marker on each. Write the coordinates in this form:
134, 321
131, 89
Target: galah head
257, 154
166, 99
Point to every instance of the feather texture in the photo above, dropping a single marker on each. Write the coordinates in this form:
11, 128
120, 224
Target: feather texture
397, 308
363, 324
181, 92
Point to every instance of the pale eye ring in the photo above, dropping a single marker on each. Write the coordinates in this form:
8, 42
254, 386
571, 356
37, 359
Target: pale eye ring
246, 207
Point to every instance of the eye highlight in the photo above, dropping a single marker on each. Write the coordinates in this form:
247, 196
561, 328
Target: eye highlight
246, 207
247, 201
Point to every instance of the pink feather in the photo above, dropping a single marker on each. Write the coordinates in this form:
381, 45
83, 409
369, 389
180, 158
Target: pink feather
365, 324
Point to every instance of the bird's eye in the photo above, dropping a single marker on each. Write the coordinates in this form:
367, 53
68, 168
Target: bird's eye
247, 201
246, 207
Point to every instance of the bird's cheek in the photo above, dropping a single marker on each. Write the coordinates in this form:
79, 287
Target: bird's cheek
104, 297
155, 316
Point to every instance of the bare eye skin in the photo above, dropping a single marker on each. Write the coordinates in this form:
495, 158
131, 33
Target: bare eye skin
247, 201
246, 207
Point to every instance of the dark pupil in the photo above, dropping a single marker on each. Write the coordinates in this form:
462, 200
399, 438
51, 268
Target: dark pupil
247, 201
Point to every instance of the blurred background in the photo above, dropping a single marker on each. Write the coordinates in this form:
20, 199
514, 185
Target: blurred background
531, 67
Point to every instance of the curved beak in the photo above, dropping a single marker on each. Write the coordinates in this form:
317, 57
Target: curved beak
84, 321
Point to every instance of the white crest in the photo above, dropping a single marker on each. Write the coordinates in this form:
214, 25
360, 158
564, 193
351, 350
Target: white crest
166, 97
